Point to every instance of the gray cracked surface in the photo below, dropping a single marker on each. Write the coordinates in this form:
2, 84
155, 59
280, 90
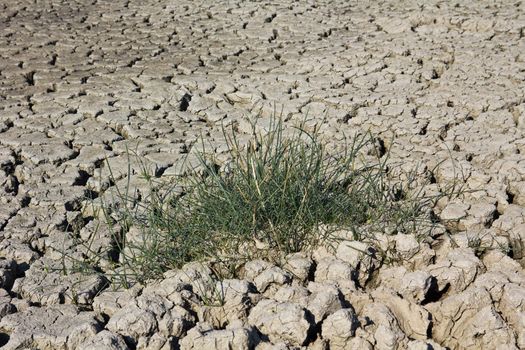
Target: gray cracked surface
83, 81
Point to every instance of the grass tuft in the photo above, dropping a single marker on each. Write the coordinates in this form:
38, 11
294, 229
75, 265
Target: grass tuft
284, 191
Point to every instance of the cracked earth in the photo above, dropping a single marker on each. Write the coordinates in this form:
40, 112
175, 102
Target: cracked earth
436, 81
